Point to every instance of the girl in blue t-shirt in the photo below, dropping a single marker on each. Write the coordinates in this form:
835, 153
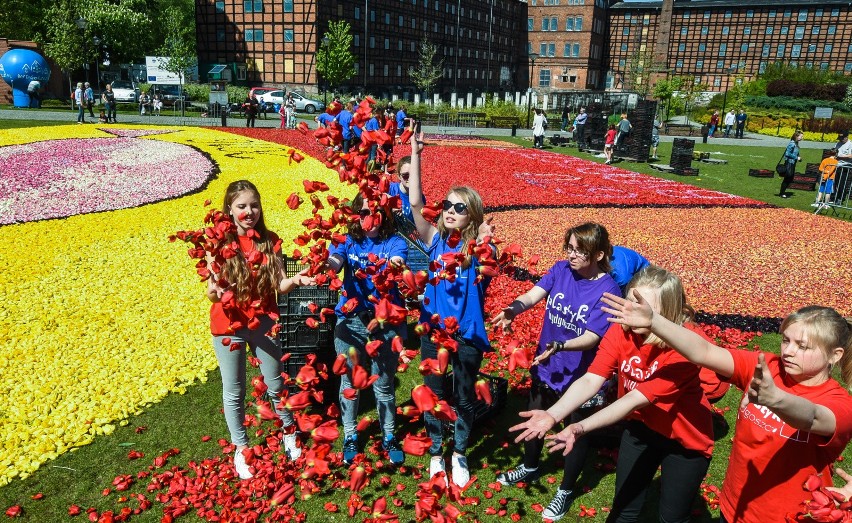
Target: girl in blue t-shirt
573, 326
463, 298
352, 320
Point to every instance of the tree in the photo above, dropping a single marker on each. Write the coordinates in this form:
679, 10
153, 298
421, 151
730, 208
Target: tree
427, 74
335, 61
638, 73
178, 49
664, 89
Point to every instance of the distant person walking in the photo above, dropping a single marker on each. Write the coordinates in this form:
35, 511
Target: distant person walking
580, 127
80, 100
538, 127
730, 121
90, 99
714, 123
741, 122
566, 115
791, 157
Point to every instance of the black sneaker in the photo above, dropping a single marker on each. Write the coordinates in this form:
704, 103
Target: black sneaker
350, 449
558, 506
518, 475
395, 453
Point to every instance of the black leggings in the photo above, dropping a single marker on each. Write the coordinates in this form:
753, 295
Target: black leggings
542, 398
641, 452
788, 179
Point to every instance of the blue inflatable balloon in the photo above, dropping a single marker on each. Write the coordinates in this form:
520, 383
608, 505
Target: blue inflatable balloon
18, 68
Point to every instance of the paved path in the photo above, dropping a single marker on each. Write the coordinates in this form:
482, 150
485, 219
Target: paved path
273, 121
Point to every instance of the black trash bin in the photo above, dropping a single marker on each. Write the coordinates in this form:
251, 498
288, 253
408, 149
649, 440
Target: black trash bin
223, 112
514, 129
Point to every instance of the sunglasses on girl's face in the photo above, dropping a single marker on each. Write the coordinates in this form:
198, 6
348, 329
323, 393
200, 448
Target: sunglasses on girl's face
363, 213
459, 207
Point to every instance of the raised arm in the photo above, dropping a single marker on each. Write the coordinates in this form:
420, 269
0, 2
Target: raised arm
639, 315
415, 191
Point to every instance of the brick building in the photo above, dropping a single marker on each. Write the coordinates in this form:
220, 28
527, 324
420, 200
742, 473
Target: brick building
276, 41
718, 40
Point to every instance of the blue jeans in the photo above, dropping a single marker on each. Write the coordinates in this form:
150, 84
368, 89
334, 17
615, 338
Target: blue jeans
466, 363
232, 367
351, 332
80, 113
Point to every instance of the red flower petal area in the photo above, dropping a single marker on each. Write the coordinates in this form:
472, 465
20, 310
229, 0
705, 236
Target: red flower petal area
508, 177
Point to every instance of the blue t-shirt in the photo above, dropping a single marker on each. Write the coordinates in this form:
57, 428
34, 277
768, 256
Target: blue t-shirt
394, 190
344, 118
400, 119
324, 119
625, 263
372, 124
462, 298
573, 307
355, 255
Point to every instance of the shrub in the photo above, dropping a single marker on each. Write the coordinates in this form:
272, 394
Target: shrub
787, 132
804, 105
791, 88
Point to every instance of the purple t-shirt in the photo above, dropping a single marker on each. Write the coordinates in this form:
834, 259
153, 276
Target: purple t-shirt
573, 307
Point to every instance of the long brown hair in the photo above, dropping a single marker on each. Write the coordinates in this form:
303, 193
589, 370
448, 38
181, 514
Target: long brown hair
236, 270
476, 212
826, 330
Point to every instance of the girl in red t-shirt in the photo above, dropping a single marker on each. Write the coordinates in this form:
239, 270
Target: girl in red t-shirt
609, 143
243, 295
794, 419
659, 393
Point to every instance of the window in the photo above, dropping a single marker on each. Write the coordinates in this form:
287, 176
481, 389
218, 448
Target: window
811, 48
686, 13
544, 78
567, 51
744, 48
835, 12
799, 33
220, 35
766, 49
254, 35
554, 24
385, 72
683, 31
769, 29
818, 12
720, 64
803, 15
796, 51
828, 48
578, 23
545, 24
815, 30
387, 20
622, 62
569, 23
357, 13
356, 40
399, 44
681, 47
253, 6
750, 13
624, 47
400, 21
723, 49
785, 30
761, 68
288, 6
575, 50
787, 13
706, 14
551, 49
542, 49
399, 70
747, 30
372, 42
717, 82
704, 30
847, 68
823, 66
773, 13
780, 52
626, 31
679, 64
699, 64
726, 30
288, 35
372, 16
728, 13
702, 47
831, 29
387, 43
530, 24
220, 7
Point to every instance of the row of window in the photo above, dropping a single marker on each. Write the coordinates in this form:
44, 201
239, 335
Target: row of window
802, 14
256, 6
545, 77
558, 2
798, 31
572, 23
548, 49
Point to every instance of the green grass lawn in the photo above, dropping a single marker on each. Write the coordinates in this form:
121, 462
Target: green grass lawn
180, 421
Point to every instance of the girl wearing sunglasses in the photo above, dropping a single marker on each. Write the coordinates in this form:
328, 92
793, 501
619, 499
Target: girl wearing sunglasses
463, 298
367, 239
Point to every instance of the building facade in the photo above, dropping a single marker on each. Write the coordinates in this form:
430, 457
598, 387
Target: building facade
276, 42
718, 41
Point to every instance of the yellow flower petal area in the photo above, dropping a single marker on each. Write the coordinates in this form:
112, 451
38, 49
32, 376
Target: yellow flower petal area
101, 315
756, 262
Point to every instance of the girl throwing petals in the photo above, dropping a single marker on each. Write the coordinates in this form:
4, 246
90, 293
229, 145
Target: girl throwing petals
573, 325
243, 297
462, 298
794, 420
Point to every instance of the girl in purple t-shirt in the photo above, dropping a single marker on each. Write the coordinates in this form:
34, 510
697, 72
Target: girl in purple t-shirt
573, 326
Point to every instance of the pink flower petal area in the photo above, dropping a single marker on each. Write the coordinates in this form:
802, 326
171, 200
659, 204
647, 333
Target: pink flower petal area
60, 178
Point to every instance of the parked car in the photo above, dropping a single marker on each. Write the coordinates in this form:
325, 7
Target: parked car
302, 103
169, 94
125, 91
262, 90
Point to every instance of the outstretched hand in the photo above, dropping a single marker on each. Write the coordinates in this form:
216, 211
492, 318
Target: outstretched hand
417, 141
536, 426
635, 314
551, 348
762, 389
504, 319
486, 229
845, 490
566, 439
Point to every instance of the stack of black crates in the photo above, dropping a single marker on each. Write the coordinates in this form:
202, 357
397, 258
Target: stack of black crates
300, 340
596, 127
808, 180
681, 160
637, 146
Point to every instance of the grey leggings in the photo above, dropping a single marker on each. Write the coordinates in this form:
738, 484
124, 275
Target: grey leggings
232, 367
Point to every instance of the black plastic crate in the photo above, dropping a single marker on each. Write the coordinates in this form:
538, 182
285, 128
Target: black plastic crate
298, 358
298, 301
295, 332
499, 396
294, 309
418, 259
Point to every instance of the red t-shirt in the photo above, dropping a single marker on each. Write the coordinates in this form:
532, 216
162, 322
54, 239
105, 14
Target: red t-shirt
390, 127
769, 460
610, 137
678, 410
220, 320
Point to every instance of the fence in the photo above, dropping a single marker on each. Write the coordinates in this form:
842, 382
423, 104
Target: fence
839, 193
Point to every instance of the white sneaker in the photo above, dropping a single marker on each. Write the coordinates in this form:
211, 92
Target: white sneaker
240, 465
461, 475
436, 465
292, 450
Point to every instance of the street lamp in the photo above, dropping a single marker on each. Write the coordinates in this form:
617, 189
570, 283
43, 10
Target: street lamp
324, 47
97, 42
532, 57
728, 72
82, 24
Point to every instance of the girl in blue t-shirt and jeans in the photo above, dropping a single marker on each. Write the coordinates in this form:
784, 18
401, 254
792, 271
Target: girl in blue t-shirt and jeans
351, 331
573, 326
463, 299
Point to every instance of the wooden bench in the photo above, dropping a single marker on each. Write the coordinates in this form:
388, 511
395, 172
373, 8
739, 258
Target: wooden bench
679, 129
504, 122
